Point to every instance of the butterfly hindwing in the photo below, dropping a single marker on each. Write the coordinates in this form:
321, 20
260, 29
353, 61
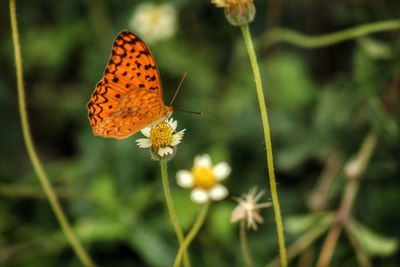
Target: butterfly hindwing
134, 111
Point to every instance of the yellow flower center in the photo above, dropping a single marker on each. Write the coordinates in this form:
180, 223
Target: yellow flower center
161, 135
203, 177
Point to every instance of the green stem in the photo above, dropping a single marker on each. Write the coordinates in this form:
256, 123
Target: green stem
244, 246
171, 210
191, 235
286, 35
267, 139
37, 165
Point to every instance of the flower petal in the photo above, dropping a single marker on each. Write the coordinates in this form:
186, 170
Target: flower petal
199, 196
221, 170
238, 214
146, 131
184, 179
202, 161
218, 192
163, 151
173, 123
176, 138
144, 142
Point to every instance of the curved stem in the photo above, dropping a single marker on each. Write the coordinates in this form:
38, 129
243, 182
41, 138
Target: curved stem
244, 246
268, 144
286, 35
191, 235
171, 210
37, 165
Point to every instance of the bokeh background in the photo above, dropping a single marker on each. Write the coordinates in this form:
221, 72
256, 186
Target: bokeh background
322, 103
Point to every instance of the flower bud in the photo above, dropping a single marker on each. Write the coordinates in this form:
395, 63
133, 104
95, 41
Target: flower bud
237, 12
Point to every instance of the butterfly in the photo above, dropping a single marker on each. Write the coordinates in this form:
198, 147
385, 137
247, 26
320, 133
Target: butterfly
129, 96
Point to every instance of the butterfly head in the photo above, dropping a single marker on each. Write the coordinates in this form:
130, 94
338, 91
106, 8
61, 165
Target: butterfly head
168, 110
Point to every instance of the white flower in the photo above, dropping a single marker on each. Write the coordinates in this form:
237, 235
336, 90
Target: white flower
154, 22
161, 138
248, 209
204, 178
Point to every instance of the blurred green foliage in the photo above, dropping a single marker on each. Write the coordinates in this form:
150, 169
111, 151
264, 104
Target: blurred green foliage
321, 101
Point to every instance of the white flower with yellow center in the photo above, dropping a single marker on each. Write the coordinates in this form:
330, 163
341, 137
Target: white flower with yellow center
248, 209
205, 179
161, 138
154, 22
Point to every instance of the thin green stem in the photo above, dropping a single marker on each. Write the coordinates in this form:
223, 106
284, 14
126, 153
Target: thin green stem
191, 235
286, 35
37, 165
268, 145
171, 210
244, 246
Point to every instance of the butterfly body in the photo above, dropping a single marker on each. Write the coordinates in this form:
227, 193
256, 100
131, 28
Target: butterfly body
129, 96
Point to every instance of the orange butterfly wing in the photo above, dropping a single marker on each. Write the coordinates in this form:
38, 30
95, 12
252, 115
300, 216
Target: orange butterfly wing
129, 96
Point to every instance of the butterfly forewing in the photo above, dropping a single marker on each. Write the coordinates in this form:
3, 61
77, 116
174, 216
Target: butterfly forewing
129, 96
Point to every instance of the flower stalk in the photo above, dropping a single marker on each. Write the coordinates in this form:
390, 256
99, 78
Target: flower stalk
172, 212
244, 246
37, 165
267, 139
192, 234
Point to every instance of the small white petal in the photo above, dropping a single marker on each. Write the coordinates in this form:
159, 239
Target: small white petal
160, 152
221, 170
176, 138
218, 192
163, 151
146, 131
202, 161
173, 123
184, 179
238, 213
199, 196
144, 142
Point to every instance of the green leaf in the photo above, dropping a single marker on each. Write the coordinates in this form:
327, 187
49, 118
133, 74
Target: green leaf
294, 154
100, 229
375, 48
300, 223
372, 242
152, 246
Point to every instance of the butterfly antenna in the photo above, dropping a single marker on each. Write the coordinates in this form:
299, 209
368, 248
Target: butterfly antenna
189, 111
177, 90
